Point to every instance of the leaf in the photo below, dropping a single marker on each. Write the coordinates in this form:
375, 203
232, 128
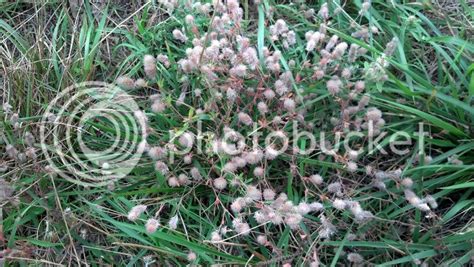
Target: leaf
459, 186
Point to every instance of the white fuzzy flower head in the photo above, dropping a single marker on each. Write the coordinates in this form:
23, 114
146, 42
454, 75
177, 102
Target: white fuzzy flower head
178, 35
189, 19
346, 73
335, 187
238, 71
355, 257
351, 166
339, 204
241, 227
230, 167
262, 107
262, 240
183, 179
258, 172
220, 183
293, 220
269, 94
186, 140
135, 212
414, 200
316, 179
289, 104
250, 57
195, 174
271, 153
280, 87
241, 162
157, 152
231, 94
253, 193
151, 225
269, 194
334, 85
244, 118
140, 83
407, 182
353, 155
303, 208
324, 11
431, 201
158, 106
191, 256
327, 229
125, 82
173, 222
339, 50
187, 159
316, 206
215, 236
238, 204
161, 167
29, 139
373, 114
173, 181
149, 63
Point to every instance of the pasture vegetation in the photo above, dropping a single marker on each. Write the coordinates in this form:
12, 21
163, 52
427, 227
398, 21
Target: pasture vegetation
236, 68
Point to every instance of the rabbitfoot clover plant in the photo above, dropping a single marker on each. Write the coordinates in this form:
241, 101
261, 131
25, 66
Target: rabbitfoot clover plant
256, 108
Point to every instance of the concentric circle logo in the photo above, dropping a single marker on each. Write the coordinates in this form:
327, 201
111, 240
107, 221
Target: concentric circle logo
91, 133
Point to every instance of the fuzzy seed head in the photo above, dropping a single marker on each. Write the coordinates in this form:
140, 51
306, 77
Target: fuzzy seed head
303, 208
135, 212
215, 236
157, 152
334, 85
316, 206
269, 194
289, 104
258, 172
355, 257
149, 63
186, 140
29, 139
191, 256
269, 94
220, 183
254, 193
339, 204
373, 114
161, 167
173, 181
262, 107
316, 179
351, 166
178, 35
173, 222
335, 187
407, 182
245, 119
125, 82
238, 204
262, 240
